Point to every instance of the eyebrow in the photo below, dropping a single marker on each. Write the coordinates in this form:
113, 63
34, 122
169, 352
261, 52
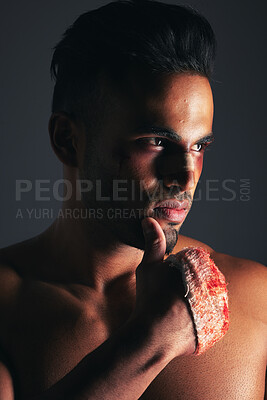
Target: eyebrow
206, 139
171, 134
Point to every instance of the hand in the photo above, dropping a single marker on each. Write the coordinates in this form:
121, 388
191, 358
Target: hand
160, 301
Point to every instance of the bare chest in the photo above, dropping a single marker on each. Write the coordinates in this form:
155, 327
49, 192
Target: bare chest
49, 337
233, 368
228, 371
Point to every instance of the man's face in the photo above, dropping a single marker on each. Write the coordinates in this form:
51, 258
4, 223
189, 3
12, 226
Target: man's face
148, 154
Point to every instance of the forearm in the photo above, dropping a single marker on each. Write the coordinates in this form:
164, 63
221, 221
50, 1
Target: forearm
122, 367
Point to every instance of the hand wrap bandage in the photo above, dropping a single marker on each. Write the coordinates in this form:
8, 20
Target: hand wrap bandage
207, 295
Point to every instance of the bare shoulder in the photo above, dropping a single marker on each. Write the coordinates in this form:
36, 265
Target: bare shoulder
17, 256
23, 260
241, 267
247, 280
15, 261
185, 241
248, 272
9, 280
247, 292
10, 284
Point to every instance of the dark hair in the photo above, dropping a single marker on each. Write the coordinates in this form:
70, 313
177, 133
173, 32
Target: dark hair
158, 37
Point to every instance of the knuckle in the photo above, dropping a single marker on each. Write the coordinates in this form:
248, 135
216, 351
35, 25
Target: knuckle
156, 242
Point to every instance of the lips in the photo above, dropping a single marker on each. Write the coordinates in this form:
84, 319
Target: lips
171, 210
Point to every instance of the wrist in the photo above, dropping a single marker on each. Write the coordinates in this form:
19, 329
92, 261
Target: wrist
148, 335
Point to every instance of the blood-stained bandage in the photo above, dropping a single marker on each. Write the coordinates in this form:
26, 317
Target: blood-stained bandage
206, 294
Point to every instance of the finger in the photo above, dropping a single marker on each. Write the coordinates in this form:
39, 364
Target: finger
155, 241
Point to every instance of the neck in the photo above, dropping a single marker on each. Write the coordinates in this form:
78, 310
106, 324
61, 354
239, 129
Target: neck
85, 251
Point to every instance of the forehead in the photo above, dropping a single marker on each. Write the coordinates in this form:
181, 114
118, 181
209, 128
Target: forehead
181, 102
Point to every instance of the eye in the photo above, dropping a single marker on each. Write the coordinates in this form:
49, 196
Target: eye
152, 141
197, 147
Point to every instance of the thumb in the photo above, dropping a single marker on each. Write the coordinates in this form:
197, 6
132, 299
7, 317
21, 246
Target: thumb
155, 241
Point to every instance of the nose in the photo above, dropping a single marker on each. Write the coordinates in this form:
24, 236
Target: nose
178, 170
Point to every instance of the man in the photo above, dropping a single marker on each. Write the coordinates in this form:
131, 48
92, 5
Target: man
89, 308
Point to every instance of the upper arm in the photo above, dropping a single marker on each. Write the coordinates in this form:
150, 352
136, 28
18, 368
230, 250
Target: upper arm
6, 383
250, 284
247, 282
247, 287
9, 283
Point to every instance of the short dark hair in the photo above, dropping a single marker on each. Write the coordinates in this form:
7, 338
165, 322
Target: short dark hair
159, 37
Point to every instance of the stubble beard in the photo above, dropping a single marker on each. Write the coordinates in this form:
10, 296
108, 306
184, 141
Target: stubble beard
128, 231
171, 236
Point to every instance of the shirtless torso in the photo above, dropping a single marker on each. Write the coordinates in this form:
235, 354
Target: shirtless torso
48, 327
149, 128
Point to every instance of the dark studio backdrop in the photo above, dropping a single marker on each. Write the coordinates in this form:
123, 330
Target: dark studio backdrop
229, 212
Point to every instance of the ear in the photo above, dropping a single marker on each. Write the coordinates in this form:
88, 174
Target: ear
64, 137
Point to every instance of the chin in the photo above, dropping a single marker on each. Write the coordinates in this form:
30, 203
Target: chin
171, 235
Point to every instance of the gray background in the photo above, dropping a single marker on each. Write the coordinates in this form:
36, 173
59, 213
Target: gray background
219, 217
